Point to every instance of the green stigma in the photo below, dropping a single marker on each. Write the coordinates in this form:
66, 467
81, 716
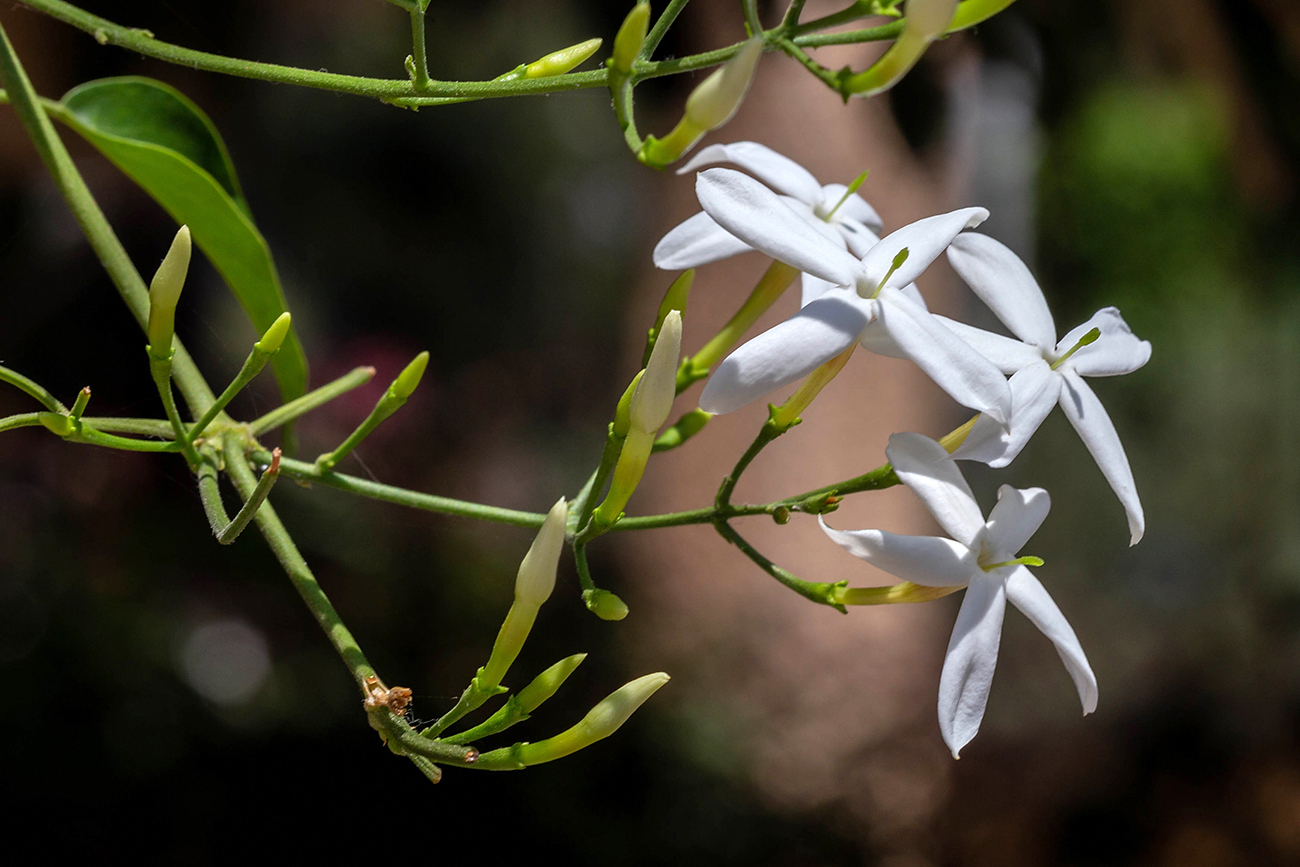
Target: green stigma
1090, 337
1019, 561
894, 266
853, 188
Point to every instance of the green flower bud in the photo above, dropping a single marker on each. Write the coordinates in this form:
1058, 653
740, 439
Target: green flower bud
622, 412
533, 586
409, 378
686, 427
548, 682
676, 296
273, 339
627, 44
674, 299
165, 292
604, 604
600, 722
926, 21
560, 62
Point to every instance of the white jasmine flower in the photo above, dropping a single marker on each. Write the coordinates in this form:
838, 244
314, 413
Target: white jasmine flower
872, 291
982, 556
833, 209
1045, 371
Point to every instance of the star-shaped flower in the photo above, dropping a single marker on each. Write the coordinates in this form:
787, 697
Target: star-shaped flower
1045, 371
871, 291
840, 214
982, 556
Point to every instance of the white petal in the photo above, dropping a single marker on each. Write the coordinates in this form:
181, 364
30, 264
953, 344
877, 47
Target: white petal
1017, 516
968, 666
1027, 594
1034, 392
855, 207
696, 241
858, 236
813, 288
779, 172
779, 356
925, 240
832, 233
1089, 418
929, 471
914, 293
876, 338
1007, 354
929, 560
970, 378
1117, 351
753, 213
1003, 282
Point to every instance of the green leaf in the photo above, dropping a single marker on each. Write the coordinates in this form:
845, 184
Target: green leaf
168, 146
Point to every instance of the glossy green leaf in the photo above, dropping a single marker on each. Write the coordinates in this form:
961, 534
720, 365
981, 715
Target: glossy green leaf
168, 146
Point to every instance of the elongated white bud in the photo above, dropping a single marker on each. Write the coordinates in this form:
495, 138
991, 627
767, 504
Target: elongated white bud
925, 21
719, 96
533, 586
653, 398
536, 578
165, 293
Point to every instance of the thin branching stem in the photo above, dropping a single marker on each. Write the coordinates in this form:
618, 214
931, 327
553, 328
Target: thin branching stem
405, 92
22, 383
311, 400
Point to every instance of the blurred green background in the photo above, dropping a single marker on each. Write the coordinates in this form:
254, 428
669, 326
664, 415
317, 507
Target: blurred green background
171, 696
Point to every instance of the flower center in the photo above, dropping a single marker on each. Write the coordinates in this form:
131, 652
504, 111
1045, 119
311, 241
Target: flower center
1090, 337
899, 259
852, 188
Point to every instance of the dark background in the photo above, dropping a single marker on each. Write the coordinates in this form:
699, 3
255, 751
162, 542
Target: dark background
506, 237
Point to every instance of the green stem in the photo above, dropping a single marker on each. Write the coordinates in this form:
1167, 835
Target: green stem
405, 92
307, 472
252, 367
620, 90
822, 593
22, 383
144, 426
791, 18
828, 77
851, 37
660, 28
582, 566
313, 399
89, 216
161, 370
608, 460
223, 527
419, 56
752, 23
86, 434
291, 560
768, 432
26, 419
